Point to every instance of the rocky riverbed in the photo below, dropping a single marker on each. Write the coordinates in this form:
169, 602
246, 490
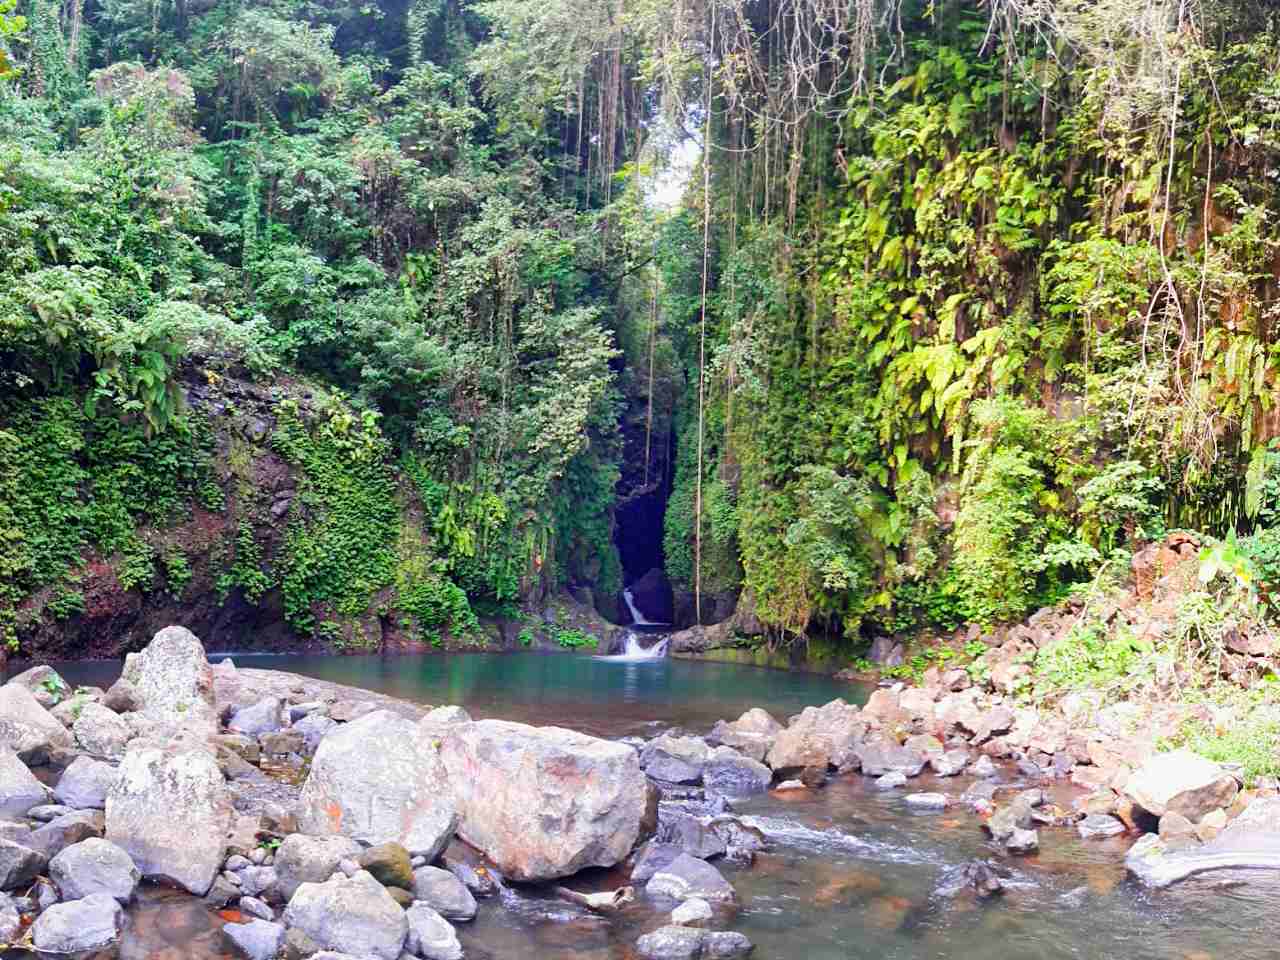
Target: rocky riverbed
330, 821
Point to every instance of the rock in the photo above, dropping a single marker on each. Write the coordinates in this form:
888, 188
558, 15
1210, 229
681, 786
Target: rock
741, 842
1099, 826
443, 717
376, 780
725, 943
891, 780
389, 864
924, 744
694, 910
1007, 821
60, 833
543, 803
950, 763
1175, 827
299, 710
256, 940
19, 864
881, 758
345, 711
730, 774
672, 942
121, 698
1211, 825
45, 811
431, 935
887, 652
819, 737
260, 881
19, 789
978, 876
27, 728
926, 801
254, 907
265, 716
281, 743
10, 920
85, 784
78, 925
401, 896
355, 914
752, 733
651, 858
100, 731
1181, 782
313, 728
1022, 841
170, 810
691, 835
45, 684
799, 747
173, 683
686, 877
94, 866
675, 759
476, 879
301, 859
444, 893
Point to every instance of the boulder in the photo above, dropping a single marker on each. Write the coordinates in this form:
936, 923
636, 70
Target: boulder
819, 737
389, 864
925, 744
652, 857
265, 716
694, 910
879, 758
672, 942
444, 893
173, 682
313, 728
10, 920
19, 789
19, 864
45, 684
543, 803
1174, 827
431, 935
301, 859
730, 774
376, 780
84, 785
1249, 842
78, 925
1099, 826
1181, 782
691, 835
61, 832
477, 879
799, 747
352, 914
675, 759
100, 731
950, 763
260, 880
27, 728
752, 733
686, 877
442, 718
255, 940
253, 907
170, 810
725, 943
121, 697
94, 866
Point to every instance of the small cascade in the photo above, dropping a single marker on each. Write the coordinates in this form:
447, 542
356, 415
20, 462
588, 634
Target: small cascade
638, 618
633, 650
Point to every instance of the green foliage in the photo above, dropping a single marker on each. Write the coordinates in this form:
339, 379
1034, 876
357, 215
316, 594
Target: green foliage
244, 572
575, 639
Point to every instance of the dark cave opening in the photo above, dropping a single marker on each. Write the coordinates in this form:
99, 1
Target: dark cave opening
639, 517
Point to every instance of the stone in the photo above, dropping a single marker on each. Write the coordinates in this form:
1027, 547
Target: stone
752, 733
257, 940
10, 920
27, 728
672, 942
543, 803
476, 879
94, 866
431, 935
881, 758
1211, 825
686, 877
447, 716
121, 697
281, 743
741, 842
1008, 818
891, 780
924, 744
918, 704
85, 784
265, 716
651, 858
254, 907
78, 925
798, 747
376, 780
301, 859
345, 711
1099, 826
950, 763
173, 682
45, 684
19, 864
675, 759
983, 768
354, 914
401, 896
1181, 782
170, 810
1174, 827
100, 731
19, 788
389, 863
45, 811
444, 893
926, 801
725, 943
731, 774
691, 835
692, 911
1022, 841
260, 881
60, 833
313, 728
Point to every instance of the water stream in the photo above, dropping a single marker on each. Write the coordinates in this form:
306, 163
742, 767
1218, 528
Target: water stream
850, 872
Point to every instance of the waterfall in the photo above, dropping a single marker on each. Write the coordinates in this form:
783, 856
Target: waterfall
638, 618
633, 650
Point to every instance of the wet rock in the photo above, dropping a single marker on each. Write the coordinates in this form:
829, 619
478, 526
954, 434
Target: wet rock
741, 842
60, 833
692, 911
173, 682
78, 925
85, 784
431, 935
686, 877
983, 767
19, 789
476, 879
254, 907
313, 728
265, 716
675, 759
926, 801
651, 858
949, 763
672, 942
19, 864
100, 732
1181, 782
389, 863
891, 780
881, 758
255, 940
354, 914
444, 893
725, 943
979, 877
752, 734
817, 738
94, 866
301, 859
1022, 841
170, 810
731, 774
376, 780
1099, 826
691, 835
27, 728
543, 803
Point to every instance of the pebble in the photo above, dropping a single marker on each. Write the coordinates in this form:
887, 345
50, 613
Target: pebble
927, 801
891, 780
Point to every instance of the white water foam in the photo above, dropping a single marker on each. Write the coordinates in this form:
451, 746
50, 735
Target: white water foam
633, 652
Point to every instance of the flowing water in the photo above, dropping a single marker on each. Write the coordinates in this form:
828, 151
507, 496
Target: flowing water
850, 871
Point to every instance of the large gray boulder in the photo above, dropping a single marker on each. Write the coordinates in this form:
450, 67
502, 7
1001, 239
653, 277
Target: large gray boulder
545, 802
1250, 842
101, 732
19, 788
94, 866
27, 728
255, 940
752, 733
172, 682
686, 877
444, 893
85, 783
302, 859
375, 780
431, 935
78, 925
729, 773
353, 914
675, 759
818, 737
672, 942
170, 810
877, 759
1181, 782
45, 684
